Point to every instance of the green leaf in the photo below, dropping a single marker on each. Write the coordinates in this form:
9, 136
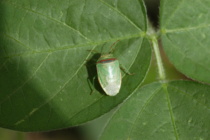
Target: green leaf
185, 36
44, 69
177, 110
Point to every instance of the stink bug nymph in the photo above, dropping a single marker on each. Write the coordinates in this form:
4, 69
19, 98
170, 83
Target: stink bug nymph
109, 74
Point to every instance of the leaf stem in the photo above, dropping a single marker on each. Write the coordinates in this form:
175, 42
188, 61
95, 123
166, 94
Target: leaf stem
161, 70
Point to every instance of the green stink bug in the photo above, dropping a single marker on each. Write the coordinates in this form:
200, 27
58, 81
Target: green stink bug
109, 74
108, 71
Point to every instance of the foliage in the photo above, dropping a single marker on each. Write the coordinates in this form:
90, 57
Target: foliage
46, 67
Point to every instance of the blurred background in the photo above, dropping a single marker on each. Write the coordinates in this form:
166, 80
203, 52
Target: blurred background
92, 130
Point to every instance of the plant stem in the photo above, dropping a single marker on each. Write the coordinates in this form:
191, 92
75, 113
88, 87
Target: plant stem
161, 70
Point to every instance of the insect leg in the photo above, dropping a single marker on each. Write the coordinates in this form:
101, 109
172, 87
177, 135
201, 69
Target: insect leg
112, 48
125, 70
92, 84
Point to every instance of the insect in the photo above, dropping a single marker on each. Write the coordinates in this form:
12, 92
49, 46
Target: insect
109, 74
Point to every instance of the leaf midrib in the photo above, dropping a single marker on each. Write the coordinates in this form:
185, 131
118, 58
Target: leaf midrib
141, 34
165, 31
165, 87
141, 110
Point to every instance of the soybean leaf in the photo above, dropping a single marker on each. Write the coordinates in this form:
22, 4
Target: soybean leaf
176, 110
46, 68
185, 35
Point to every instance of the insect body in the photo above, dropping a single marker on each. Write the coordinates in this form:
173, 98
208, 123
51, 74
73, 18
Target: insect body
109, 74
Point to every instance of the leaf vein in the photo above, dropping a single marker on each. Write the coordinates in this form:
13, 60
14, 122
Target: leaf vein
3, 63
18, 41
21, 86
136, 54
171, 111
186, 57
143, 107
173, 12
200, 43
123, 15
186, 29
189, 96
50, 18
74, 46
64, 85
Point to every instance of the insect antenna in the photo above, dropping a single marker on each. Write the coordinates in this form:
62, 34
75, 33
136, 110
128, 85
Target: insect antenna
112, 47
102, 48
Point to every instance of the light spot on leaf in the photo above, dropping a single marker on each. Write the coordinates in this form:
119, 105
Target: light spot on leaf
190, 120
